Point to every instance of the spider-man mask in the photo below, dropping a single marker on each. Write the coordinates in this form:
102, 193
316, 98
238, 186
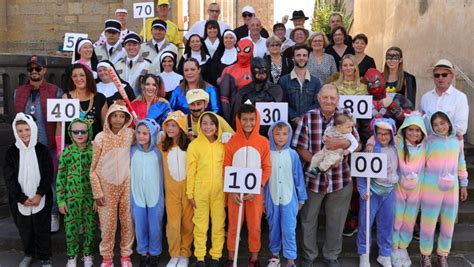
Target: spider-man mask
375, 83
244, 52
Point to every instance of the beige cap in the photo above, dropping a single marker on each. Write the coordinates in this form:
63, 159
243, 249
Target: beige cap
444, 64
197, 94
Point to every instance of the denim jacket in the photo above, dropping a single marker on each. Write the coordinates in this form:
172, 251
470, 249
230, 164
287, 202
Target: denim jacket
300, 98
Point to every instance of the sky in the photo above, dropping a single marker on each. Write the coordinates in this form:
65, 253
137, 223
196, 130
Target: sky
286, 7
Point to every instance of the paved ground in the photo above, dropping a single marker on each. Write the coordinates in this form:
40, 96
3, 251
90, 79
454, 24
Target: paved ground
11, 254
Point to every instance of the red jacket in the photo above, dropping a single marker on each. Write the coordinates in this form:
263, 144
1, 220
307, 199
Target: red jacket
47, 90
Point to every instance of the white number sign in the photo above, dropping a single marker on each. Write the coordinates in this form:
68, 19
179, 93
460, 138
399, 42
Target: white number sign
242, 180
62, 109
359, 105
70, 39
373, 165
143, 10
271, 112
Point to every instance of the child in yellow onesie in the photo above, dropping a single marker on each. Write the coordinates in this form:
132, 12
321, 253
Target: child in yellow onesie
110, 179
205, 187
179, 212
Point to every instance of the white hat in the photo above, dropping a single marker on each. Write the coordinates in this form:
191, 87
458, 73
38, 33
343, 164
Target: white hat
197, 94
248, 9
121, 10
444, 64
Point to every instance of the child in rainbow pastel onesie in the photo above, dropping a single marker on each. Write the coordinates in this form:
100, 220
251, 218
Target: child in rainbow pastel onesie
443, 186
285, 194
382, 196
411, 163
147, 197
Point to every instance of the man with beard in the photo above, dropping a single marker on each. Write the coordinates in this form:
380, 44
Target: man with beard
259, 90
198, 100
299, 86
30, 98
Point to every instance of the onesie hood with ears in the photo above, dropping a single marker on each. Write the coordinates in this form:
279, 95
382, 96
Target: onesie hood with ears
412, 119
118, 106
89, 130
154, 129
272, 141
180, 118
34, 131
384, 123
219, 128
430, 126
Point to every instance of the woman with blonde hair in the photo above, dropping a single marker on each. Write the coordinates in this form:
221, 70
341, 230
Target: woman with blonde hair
348, 82
320, 64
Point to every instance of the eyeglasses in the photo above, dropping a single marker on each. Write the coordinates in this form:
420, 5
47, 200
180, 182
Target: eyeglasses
437, 75
81, 132
212, 10
245, 15
37, 69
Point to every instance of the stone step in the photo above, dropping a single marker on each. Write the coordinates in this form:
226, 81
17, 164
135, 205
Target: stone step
463, 241
466, 211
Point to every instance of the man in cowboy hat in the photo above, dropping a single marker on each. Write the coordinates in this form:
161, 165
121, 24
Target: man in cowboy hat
445, 97
298, 18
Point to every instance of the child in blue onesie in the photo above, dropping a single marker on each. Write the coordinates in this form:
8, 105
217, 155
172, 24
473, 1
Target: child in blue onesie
285, 194
147, 192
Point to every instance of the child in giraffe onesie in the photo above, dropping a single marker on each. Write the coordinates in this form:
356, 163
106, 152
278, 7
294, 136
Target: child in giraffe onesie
411, 164
285, 194
444, 184
110, 179
247, 149
147, 192
74, 192
179, 212
205, 187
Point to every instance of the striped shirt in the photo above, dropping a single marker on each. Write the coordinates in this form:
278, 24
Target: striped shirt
309, 136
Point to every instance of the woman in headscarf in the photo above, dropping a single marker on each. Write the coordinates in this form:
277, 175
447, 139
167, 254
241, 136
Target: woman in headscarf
225, 55
169, 75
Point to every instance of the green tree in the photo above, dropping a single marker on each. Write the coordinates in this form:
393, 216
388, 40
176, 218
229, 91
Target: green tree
323, 9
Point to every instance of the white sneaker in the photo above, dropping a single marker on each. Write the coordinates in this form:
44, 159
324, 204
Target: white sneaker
274, 262
26, 262
88, 261
405, 258
182, 262
173, 262
54, 223
364, 261
385, 261
71, 262
396, 258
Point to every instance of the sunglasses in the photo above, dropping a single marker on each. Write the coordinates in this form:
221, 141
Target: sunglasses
245, 15
37, 69
437, 75
77, 132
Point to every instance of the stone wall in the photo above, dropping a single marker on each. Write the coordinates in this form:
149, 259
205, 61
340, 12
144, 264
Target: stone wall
37, 26
426, 30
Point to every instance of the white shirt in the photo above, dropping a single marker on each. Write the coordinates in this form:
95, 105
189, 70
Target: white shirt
259, 47
171, 80
160, 44
211, 47
453, 102
198, 28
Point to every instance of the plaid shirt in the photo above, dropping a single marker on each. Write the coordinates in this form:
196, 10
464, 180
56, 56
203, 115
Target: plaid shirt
309, 136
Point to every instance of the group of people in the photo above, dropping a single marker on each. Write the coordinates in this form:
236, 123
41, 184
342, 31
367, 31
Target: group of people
128, 165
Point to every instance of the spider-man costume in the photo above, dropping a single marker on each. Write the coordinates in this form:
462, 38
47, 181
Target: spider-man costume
236, 76
392, 105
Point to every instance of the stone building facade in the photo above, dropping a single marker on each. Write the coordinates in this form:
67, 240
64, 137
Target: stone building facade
37, 26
